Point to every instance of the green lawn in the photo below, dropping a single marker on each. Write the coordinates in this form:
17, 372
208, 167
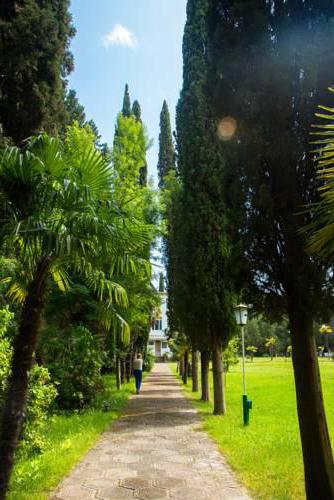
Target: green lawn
68, 439
267, 454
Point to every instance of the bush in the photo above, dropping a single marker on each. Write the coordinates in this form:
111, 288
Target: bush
41, 396
148, 363
41, 392
74, 360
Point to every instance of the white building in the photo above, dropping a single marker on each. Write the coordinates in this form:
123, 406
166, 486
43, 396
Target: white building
157, 340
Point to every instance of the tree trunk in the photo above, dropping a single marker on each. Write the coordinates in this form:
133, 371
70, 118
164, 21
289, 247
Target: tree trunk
23, 356
129, 364
181, 366
122, 371
219, 405
194, 370
118, 372
185, 368
316, 446
205, 361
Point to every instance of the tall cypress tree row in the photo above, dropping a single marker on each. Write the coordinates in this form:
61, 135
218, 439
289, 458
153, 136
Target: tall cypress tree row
34, 63
202, 272
126, 108
273, 63
166, 160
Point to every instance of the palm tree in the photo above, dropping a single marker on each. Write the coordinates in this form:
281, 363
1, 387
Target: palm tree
271, 343
57, 218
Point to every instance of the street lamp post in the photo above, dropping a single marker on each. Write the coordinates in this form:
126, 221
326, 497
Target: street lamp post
241, 316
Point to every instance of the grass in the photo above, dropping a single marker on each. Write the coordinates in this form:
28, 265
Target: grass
69, 437
266, 455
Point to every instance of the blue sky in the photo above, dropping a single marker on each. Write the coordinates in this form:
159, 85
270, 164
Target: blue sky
138, 42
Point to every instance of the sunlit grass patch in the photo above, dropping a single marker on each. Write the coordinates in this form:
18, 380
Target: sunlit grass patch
266, 455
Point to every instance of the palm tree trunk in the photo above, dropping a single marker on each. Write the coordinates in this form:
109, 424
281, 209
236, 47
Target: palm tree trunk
316, 446
205, 361
194, 370
219, 405
185, 367
23, 356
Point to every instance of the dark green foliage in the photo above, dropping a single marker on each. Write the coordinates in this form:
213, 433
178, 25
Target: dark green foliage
34, 63
74, 360
126, 108
291, 60
136, 110
166, 160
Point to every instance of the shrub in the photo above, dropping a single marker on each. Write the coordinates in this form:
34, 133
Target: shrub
41, 396
74, 359
148, 363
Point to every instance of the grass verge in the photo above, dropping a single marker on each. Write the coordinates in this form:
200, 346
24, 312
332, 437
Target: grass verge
266, 455
69, 437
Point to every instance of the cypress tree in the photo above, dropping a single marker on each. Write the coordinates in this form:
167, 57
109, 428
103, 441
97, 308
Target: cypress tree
34, 63
202, 250
126, 108
75, 110
166, 160
273, 63
136, 110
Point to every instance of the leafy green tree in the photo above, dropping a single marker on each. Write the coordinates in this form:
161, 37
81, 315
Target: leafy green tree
129, 156
126, 108
230, 355
166, 160
137, 199
271, 64
57, 218
34, 63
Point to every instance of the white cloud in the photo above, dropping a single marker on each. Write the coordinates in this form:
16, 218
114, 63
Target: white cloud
120, 36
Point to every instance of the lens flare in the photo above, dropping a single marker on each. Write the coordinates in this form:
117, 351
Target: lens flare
227, 128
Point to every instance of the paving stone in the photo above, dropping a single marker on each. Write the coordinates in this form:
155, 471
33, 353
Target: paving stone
135, 483
114, 493
150, 492
169, 482
156, 450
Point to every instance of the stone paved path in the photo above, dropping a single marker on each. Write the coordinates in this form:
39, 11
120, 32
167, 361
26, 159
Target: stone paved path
156, 450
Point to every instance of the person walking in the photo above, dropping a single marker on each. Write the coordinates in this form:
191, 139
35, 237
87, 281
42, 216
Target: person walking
138, 371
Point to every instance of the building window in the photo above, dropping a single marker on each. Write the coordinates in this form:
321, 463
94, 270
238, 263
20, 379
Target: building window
151, 342
157, 324
164, 345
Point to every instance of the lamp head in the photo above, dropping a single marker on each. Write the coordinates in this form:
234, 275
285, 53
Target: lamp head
241, 314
